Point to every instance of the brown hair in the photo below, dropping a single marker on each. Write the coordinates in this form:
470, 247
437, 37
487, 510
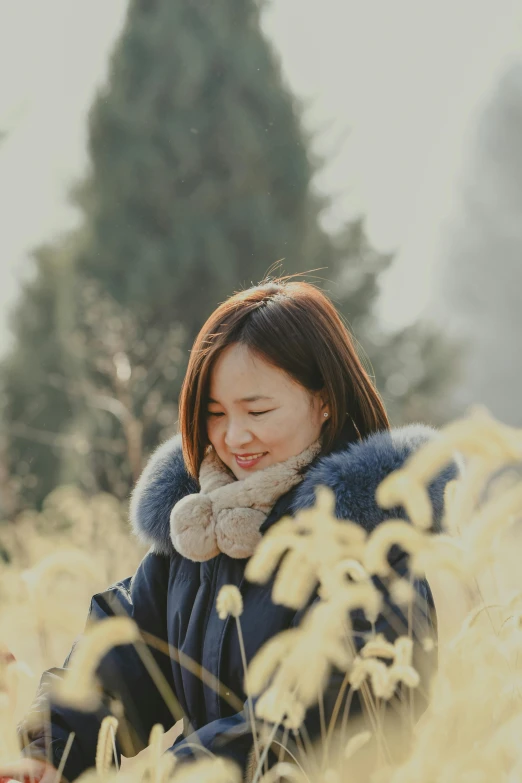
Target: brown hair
294, 326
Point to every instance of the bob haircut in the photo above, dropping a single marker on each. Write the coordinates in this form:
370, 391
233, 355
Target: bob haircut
295, 327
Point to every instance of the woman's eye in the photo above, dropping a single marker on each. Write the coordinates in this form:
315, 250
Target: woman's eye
252, 413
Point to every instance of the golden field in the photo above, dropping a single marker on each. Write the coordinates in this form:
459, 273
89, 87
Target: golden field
471, 730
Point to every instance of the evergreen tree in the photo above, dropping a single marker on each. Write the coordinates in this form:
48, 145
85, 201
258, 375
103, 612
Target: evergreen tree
413, 367
34, 412
200, 176
199, 180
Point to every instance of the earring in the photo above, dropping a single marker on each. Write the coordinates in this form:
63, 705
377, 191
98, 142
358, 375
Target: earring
325, 415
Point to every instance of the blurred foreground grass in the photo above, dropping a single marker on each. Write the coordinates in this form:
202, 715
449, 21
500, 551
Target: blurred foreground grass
471, 730
53, 562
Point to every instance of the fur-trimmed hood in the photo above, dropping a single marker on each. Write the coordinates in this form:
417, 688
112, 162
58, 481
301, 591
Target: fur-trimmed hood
353, 473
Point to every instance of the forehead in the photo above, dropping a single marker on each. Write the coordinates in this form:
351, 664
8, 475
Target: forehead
240, 374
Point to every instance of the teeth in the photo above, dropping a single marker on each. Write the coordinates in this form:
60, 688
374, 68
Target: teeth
249, 459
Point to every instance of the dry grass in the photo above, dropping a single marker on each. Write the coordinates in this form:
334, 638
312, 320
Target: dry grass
471, 730
56, 561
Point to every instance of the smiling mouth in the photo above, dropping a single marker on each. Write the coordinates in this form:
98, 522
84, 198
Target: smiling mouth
246, 459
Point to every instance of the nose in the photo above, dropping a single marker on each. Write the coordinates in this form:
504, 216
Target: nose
236, 435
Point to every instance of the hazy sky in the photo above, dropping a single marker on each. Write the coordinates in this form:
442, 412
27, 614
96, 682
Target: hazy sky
393, 86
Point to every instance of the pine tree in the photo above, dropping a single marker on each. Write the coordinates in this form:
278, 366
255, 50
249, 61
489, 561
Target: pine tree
199, 180
413, 367
200, 175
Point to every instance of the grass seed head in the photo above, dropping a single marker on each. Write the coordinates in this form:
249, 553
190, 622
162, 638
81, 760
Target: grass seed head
104, 747
229, 602
78, 688
357, 742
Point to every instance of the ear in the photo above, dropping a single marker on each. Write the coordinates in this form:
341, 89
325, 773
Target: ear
324, 408
325, 404
320, 403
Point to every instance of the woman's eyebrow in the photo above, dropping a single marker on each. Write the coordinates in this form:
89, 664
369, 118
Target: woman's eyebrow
255, 397
252, 398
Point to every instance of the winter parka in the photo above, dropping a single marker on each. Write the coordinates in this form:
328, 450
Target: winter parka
173, 601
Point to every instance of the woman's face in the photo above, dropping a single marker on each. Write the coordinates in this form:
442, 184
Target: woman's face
256, 411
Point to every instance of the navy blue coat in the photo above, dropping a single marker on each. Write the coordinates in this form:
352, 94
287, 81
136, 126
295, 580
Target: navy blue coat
174, 600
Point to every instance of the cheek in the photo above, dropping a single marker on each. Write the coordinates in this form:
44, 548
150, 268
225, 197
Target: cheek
213, 429
297, 428
281, 427
270, 433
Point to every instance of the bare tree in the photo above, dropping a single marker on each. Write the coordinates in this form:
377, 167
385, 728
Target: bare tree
119, 377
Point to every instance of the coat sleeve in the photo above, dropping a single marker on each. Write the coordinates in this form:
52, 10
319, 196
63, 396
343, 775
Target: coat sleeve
45, 729
231, 737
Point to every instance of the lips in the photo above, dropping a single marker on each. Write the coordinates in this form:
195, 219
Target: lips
249, 460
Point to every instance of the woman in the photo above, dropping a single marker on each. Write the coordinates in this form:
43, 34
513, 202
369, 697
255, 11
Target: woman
274, 403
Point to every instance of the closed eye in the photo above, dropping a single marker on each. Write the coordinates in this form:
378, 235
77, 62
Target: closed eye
252, 413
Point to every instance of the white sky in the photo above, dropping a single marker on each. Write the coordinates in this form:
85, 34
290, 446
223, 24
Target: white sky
399, 81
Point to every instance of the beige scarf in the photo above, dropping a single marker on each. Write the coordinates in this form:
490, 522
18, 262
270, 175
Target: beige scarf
225, 516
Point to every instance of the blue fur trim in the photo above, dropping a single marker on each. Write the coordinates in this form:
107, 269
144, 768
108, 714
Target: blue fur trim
164, 481
354, 474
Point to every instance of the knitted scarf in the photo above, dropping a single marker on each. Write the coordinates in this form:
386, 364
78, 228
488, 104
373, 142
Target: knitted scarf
226, 514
